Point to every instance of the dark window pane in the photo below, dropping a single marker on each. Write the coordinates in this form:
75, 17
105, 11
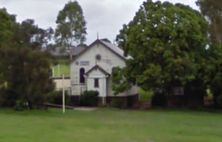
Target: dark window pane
96, 83
81, 75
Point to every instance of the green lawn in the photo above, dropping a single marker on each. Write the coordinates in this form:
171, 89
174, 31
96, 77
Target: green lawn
110, 125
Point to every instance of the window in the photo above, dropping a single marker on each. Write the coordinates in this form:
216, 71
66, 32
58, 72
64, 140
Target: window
96, 83
98, 57
81, 75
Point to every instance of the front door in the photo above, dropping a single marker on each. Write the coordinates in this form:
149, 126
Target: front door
98, 84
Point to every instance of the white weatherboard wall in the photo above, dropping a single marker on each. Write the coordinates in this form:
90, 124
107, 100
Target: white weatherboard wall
102, 82
107, 62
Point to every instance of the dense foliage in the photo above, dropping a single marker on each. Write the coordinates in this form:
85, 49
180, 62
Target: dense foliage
89, 98
24, 70
27, 34
212, 9
167, 43
6, 27
119, 79
71, 26
24, 34
26, 74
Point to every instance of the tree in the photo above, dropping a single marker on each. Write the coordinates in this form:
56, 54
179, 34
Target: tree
71, 26
27, 34
6, 27
24, 72
119, 80
212, 9
24, 34
27, 75
167, 43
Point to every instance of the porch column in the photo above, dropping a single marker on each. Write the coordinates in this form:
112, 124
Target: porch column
103, 100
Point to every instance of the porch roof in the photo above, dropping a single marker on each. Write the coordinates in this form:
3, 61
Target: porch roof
97, 67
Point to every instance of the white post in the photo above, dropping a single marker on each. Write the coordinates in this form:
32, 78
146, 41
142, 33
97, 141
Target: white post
63, 95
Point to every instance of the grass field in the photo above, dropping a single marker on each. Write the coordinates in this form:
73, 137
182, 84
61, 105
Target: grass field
110, 125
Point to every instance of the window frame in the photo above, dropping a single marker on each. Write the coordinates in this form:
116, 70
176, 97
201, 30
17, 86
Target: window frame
96, 82
81, 76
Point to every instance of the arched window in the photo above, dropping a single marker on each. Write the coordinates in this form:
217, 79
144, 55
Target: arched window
81, 75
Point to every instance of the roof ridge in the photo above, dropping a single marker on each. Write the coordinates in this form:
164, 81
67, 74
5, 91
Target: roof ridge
106, 45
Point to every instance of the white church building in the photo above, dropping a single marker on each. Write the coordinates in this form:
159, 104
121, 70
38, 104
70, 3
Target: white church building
92, 69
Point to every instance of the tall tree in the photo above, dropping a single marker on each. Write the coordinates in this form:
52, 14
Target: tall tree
27, 34
24, 34
166, 43
24, 72
6, 27
212, 9
71, 26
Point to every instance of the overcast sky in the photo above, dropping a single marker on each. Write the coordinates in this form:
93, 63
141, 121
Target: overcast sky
105, 17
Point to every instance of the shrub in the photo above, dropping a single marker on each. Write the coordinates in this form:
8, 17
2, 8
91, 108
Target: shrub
159, 99
145, 96
118, 103
21, 105
219, 101
23, 81
55, 97
209, 93
7, 98
89, 98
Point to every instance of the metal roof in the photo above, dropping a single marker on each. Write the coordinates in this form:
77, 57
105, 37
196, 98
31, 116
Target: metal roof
113, 48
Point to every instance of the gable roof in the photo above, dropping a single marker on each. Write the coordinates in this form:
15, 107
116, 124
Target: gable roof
99, 68
75, 51
111, 47
114, 48
61, 52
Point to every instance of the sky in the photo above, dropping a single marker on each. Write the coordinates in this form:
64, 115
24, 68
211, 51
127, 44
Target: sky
104, 17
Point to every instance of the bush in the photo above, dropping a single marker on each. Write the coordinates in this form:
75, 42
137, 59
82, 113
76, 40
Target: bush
219, 101
23, 81
89, 98
209, 93
145, 96
21, 105
7, 98
55, 97
159, 100
118, 103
